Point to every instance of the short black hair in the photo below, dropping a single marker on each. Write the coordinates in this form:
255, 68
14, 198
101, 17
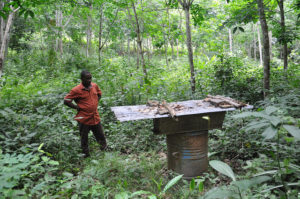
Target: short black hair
84, 73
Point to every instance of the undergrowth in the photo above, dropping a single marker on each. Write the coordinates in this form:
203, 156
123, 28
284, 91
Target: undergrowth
40, 154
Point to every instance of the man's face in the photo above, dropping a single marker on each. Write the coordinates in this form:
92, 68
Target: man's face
86, 80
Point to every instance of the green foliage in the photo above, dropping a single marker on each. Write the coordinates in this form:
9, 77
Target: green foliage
236, 189
41, 156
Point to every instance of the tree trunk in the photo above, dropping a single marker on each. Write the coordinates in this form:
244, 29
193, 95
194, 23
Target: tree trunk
172, 46
266, 43
139, 40
254, 42
59, 26
259, 47
248, 48
166, 50
230, 40
100, 45
270, 39
5, 38
186, 8
177, 45
89, 32
283, 29
128, 46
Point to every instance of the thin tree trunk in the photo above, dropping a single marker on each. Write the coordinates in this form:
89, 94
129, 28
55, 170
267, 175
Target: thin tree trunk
259, 47
166, 50
128, 46
254, 42
248, 48
177, 45
59, 26
2, 24
186, 8
5, 38
283, 29
270, 39
172, 46
89, 32
230, 39
139, 40
266, 52
100, 45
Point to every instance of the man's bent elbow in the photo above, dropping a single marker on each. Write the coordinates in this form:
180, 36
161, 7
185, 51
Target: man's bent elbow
67, 102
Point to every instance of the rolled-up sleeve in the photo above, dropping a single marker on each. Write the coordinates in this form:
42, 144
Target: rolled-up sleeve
71, 95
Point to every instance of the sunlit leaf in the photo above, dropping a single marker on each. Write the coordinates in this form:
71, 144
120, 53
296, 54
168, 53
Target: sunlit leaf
246, 184
219, 193
172, 183
271, 109
123, 195
192, 184
223, 168
294, 131
269, 133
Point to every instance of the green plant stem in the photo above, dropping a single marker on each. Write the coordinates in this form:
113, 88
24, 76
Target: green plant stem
241, 197
279, 166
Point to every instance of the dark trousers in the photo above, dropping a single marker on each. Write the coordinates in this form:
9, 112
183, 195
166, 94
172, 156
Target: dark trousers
98, 133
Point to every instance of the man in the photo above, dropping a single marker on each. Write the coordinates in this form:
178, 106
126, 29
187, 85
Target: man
86, 96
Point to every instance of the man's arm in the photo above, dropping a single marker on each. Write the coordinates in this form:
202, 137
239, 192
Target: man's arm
70, 104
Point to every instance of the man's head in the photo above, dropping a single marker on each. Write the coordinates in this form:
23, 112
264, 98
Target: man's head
86, 78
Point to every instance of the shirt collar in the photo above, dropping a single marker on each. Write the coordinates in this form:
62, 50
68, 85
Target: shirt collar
84, 88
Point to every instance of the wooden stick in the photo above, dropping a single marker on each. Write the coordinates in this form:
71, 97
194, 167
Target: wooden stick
170, 110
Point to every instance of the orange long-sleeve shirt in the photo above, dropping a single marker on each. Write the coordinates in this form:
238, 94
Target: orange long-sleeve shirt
87, 100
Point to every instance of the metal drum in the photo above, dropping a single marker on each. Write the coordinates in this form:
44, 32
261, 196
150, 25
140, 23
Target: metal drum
187, 153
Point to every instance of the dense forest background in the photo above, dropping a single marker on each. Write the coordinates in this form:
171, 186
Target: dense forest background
138, 50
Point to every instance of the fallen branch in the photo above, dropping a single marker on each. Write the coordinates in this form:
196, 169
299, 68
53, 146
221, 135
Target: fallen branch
224, 102
170, 110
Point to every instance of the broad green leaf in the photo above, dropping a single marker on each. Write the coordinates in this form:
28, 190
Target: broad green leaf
271, 109
172, 182
294, 131
219, 193
246, 184
123, 195
274, 120
269, 133
234, 30
31, 13
52, 162
45, 159
67, 174
257, 126
243, 115
223, 168
3, 113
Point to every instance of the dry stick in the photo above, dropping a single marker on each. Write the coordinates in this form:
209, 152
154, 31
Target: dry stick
170, 110
217, 100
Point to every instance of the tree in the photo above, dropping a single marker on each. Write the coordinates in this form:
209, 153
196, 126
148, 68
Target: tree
283, 32
186, 5
266, 45
5, 27
139, 39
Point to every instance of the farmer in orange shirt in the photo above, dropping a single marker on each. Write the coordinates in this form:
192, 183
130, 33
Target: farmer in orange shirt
86, 96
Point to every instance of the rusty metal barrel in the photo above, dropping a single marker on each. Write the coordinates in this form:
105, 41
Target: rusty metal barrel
187, 153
